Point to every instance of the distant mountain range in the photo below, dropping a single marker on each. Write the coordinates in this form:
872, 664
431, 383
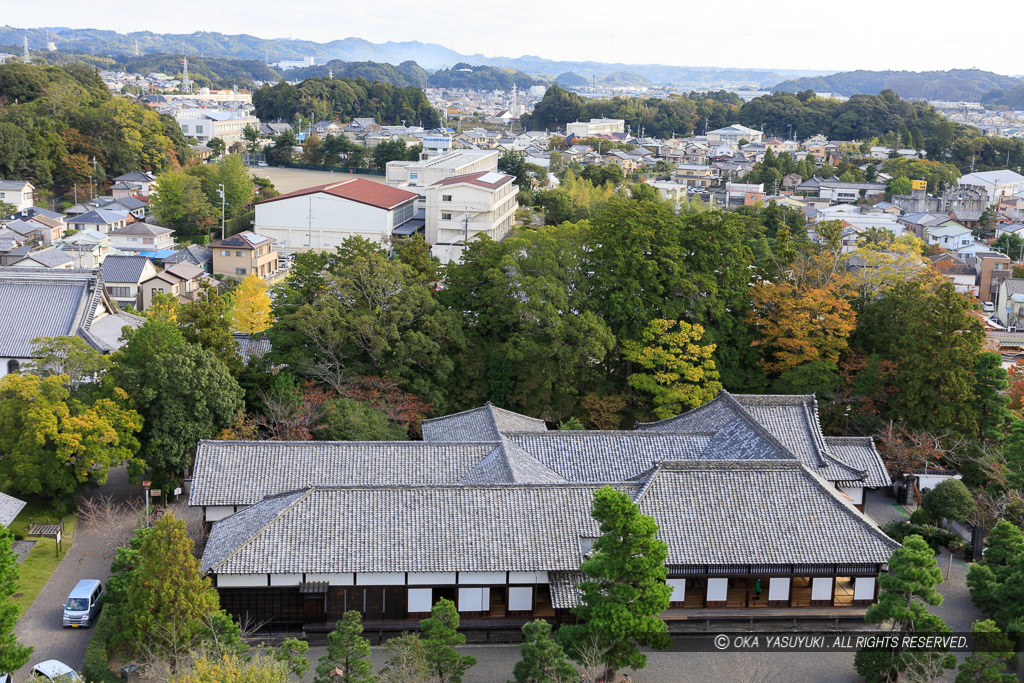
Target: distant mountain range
955, 85
428, 55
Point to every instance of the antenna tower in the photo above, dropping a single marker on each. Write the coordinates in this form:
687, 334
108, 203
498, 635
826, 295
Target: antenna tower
186, 86
25, 57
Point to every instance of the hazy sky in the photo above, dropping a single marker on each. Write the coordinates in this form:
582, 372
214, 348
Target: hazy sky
802, 34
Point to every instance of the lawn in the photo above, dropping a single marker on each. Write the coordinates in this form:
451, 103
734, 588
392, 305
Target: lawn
43, 559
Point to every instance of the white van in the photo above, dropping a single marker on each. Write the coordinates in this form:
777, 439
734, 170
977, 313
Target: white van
83, 604
52, 670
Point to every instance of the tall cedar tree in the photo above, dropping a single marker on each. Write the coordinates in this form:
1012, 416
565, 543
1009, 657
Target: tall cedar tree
543, 659
348, 651
905, 592
13, 655
990, 384
624, 592
167, 600
440, 638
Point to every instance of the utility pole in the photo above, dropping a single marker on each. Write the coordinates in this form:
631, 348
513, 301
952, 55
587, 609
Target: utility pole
222, 201
309, 225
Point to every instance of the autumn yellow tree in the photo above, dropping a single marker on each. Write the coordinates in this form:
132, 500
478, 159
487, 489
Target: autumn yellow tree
879, 265
164, 306
251, 310
677, 371
798, 325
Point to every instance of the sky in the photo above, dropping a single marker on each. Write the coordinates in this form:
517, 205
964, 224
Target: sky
799, 34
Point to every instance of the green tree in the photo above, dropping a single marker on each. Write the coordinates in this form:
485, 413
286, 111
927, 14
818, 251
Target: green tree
543, 659
13, 655
53, 445
949, 499
440, 638
239, 189
1003, 546
348, 651
183, 392
991, 401
624, 592
903, 599
292, 653
70, 357
251, 135
217, 146
389, 150
181, 205
991, 654
899, 186
168, 602
406, 660
207, 322
348, 420
680, 372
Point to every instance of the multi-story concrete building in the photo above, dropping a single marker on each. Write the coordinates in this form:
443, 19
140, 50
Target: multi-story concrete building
998, 184
246, 253
464, 207
416, 175
205, 124
586, 129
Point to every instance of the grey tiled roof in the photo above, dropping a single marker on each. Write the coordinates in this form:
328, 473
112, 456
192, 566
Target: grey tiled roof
710, 512
407, 529
479, 424
9, 509
193, 253
245, 472
40, 302
251, 346
594, 456
757, 512
859, 453
124, 268
50, 258
510, 464
564, 588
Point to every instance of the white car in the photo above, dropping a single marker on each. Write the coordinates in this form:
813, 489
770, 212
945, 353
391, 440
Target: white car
988, 307
56, 672
262, 164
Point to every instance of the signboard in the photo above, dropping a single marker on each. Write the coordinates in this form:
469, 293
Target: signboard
154, 492
919, 185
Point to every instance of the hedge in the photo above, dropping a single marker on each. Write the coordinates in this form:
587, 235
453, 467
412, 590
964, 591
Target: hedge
96, 655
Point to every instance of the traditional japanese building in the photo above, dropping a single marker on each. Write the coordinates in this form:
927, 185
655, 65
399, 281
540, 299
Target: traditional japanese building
492, 511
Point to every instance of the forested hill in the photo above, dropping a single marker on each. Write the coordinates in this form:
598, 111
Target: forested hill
1013, 98
344, 99
955, 85
55, 121
470, 77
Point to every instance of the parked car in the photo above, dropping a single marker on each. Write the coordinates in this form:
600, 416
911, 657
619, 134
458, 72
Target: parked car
262, 164
57, 672
6, 678
83, 604
988, 307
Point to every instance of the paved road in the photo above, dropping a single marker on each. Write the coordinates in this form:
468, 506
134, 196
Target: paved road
40, 626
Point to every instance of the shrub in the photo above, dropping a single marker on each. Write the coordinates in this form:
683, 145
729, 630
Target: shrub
96, 654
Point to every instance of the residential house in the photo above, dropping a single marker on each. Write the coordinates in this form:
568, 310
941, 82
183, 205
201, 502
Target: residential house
952, 237
32, 230
1010, 303
181, 280
324, 216
301, 544
142, 237
99, 220
922, 223
246, 253
838, 191
791, 181
143, 181
196, 254
992, 268
362, 126
1009, 229
51, 258
40, 302
325, 128
87, 248
122, 277
627, 162
16, 193
696, 175
33, 211
464, 207
11, 249
958, 271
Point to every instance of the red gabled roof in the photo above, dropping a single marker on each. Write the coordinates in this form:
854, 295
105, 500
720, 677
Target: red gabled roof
478, 179
357, 190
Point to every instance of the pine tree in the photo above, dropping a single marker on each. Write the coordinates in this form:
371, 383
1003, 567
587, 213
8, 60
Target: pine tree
13, 655
990, 383
625, 590
991, 652
348, 651
250, 311
543, 659
440, 637
904, 595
